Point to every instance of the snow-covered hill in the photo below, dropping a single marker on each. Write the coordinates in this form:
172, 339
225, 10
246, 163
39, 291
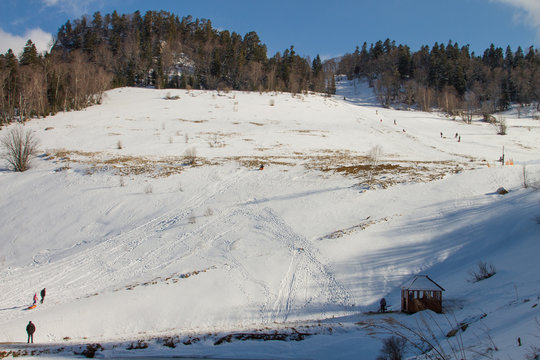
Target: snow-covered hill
134, 243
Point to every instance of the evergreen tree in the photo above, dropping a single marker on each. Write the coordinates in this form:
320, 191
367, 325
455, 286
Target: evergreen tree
29, 55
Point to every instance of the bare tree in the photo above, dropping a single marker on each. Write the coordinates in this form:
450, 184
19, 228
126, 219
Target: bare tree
374, 156
424, 96
448, 100
19, 146
470, 103
500, 125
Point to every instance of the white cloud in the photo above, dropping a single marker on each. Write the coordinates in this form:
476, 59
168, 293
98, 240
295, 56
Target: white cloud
71, 7
530, 9
40, 38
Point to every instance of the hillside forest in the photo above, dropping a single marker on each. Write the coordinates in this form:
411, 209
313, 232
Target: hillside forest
159, 49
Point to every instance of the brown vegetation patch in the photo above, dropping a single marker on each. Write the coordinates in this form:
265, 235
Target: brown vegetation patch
363, 225
256, 123
194, 121
361, 169
321, 133
386, 172
256, 161
171, 279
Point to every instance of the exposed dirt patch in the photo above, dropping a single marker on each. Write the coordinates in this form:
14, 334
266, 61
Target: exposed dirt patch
171, 279
363, 225
294, 336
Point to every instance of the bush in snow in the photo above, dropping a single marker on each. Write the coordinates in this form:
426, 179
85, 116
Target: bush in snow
482, 271
171, 97
148, 189
393, 348
190, 155
19, 146
422, 338
500, 125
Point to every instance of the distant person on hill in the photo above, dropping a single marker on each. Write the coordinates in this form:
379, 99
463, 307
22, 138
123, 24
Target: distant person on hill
30, 329
441, 134
35, 298
43, 292
383, 305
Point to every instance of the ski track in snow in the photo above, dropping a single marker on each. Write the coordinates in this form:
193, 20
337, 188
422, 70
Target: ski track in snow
120, 260
116, 260
305, 272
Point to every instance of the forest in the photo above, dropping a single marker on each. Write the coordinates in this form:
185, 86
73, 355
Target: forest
161, 50
448, 77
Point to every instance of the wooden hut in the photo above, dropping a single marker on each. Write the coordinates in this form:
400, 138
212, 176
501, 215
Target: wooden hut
421, 293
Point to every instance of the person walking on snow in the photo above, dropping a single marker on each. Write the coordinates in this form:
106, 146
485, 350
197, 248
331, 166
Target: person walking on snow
43, 292
30, 329
383, 305
35, 298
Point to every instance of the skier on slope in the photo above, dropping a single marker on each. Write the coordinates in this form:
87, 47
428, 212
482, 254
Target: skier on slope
43, 292
35, 298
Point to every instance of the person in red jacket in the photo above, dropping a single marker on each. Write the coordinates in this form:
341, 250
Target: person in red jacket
35, 298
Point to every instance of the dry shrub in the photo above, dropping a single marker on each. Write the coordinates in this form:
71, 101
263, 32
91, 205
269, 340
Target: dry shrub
482, 271
19, 147
393, 348
190, 155
139, 345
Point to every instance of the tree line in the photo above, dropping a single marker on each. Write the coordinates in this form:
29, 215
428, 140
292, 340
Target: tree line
161, 50
447, 77
156, 49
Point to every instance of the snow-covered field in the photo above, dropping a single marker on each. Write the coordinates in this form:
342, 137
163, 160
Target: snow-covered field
137, 247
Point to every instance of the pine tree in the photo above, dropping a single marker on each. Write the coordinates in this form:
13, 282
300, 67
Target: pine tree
29, 55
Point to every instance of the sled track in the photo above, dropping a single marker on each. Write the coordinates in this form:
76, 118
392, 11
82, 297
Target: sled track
118, 259
307, 282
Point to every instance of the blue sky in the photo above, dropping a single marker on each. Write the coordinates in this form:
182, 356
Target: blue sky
328, 28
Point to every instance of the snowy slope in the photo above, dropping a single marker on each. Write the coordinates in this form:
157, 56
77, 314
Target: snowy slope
133, 243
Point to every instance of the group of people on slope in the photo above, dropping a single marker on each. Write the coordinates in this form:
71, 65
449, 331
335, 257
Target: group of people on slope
31, 328
42, 293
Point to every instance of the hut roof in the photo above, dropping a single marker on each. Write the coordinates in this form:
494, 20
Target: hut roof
422, 282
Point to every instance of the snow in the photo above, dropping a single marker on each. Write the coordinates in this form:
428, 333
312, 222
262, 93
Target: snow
422, 282
133, 243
